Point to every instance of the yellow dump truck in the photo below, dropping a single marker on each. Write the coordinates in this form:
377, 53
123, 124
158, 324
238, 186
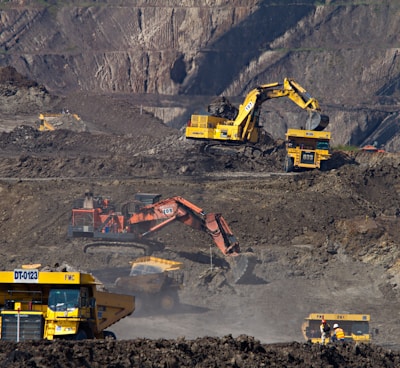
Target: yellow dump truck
38, 305
307, 149
355, 326
154, 282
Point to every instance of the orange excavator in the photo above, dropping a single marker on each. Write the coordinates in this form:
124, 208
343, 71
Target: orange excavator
98, 218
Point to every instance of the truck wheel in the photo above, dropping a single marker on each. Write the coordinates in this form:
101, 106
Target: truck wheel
289, 164
324, 166
109, 335
168, 302
81, 335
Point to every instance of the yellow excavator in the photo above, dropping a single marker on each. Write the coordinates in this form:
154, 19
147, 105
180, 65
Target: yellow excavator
49, 121
245, 127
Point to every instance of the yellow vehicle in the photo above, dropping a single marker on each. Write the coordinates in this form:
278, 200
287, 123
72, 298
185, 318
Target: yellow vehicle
49, 121
154, 282
355, 326
308, 149
245, 128
52, 305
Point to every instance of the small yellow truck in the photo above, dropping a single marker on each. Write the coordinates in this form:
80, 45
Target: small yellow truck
38, 305
154, 282
355, 326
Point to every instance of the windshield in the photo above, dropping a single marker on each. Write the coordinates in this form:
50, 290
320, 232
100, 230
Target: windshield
360, 328
63, 299
143, 269
323, 145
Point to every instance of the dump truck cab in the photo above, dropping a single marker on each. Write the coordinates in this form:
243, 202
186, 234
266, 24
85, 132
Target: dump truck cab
48, 305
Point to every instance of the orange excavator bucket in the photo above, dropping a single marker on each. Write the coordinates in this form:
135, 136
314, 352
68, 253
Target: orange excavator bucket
242, 268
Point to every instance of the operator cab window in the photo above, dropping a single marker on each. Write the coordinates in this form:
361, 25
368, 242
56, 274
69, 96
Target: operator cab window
63, 299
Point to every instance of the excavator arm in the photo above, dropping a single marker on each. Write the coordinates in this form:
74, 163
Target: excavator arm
156, 216
249, 110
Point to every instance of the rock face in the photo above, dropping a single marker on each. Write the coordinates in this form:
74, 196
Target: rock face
344, 55
151, 47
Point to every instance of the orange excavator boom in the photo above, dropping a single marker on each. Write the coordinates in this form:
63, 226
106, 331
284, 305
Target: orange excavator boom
162, 213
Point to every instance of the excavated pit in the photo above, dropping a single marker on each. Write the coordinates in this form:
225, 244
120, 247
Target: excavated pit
323, 241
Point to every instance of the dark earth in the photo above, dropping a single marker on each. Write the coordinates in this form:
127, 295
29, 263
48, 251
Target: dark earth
325, 241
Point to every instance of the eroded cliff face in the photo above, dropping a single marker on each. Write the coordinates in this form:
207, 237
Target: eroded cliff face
148, 47
344, 55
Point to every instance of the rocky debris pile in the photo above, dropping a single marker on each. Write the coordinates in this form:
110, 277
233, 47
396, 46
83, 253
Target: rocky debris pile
243, 351
221, 107
10, 76
19, 94
60, 267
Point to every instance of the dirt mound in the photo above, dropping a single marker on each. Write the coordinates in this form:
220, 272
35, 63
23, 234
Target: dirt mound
243, 351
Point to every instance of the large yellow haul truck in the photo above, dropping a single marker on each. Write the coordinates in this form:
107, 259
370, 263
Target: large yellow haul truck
355, 326
38, 305
307, 149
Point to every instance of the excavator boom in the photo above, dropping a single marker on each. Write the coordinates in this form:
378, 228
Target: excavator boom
156, 216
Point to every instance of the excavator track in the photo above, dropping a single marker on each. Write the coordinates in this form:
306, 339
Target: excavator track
219, 149
100, 246
213, 149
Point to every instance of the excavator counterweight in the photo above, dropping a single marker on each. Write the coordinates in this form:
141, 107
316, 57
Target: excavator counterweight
96, 217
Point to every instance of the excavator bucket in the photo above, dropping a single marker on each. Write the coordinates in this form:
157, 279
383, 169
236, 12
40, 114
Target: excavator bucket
317, 121
242, 267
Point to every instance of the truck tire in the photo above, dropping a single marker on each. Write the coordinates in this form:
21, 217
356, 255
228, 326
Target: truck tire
289, 164
109, 335
168, 302
324, 166
81, 335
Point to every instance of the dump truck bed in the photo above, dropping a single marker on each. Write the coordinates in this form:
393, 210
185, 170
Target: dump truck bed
110, 308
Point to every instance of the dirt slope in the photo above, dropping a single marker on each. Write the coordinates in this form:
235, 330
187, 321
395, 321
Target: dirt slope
324, 241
